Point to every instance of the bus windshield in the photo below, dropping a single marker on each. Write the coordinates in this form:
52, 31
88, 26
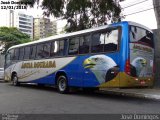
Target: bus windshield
141, 36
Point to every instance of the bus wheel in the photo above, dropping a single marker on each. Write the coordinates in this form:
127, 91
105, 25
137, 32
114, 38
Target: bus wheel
62, 84
15, 80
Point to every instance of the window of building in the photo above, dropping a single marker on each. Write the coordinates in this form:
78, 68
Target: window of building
25, 30
25, 23
73, 46
22, 26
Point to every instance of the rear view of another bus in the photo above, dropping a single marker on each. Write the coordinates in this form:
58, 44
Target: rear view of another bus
140, 63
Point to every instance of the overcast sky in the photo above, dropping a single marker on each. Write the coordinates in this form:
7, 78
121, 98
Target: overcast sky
146, 18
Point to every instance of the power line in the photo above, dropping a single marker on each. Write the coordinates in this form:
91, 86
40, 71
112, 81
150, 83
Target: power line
135, 4
130, 6
122, 8
142, 11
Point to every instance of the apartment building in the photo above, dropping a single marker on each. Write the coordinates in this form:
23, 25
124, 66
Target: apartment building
43, 28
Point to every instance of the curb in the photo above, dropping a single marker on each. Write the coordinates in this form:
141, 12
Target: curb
131, 94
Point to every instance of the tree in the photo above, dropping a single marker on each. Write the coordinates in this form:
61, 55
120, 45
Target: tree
11, 36
81, 14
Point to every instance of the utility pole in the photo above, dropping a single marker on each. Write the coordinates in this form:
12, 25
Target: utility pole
156, 5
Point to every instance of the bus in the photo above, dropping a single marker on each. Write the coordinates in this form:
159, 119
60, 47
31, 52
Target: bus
117, 55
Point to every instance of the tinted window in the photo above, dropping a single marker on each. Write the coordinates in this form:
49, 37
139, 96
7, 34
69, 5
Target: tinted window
9, 56
141, 36
39, 53
21, 53
73, 46
16, 54
32, 52
84, 44
111, 40
46, 49
97, 42
11, 52
105, 41
61, 48
26, 52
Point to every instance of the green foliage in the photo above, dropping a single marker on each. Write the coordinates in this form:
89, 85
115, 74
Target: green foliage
82, 14
12, 36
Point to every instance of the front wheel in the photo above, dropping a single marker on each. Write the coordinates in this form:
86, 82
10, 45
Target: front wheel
15, 80
62, 84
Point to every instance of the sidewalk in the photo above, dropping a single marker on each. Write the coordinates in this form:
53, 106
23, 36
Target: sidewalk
147, 93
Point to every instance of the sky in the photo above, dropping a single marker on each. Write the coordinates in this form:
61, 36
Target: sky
146, 18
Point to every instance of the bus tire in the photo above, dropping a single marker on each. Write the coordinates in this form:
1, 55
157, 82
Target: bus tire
15, 80
62, 84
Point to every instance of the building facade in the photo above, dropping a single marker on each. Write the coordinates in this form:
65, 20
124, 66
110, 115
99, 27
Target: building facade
43, 28
19, 20
24, 23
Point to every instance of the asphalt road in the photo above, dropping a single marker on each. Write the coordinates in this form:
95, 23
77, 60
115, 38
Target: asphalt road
31, 99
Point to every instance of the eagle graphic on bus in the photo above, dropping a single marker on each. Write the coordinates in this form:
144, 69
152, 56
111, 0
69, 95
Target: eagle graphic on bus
140, 64
103, 67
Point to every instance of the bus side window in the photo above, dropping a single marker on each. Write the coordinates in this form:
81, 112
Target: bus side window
111, 40
32, 52
26, 52
39, 53
61, 48
73, 46
11, 52
46, 49
9, 58
21, 53
84, 44
97, 43
16, 54
54, 48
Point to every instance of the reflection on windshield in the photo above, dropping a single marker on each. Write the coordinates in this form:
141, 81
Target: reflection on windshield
141, 36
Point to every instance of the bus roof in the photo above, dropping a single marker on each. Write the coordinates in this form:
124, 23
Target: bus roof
78, 33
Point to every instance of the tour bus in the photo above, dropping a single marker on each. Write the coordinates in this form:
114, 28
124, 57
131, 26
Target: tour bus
118, 55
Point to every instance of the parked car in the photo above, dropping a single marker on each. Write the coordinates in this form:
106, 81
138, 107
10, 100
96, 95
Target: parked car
1, 73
